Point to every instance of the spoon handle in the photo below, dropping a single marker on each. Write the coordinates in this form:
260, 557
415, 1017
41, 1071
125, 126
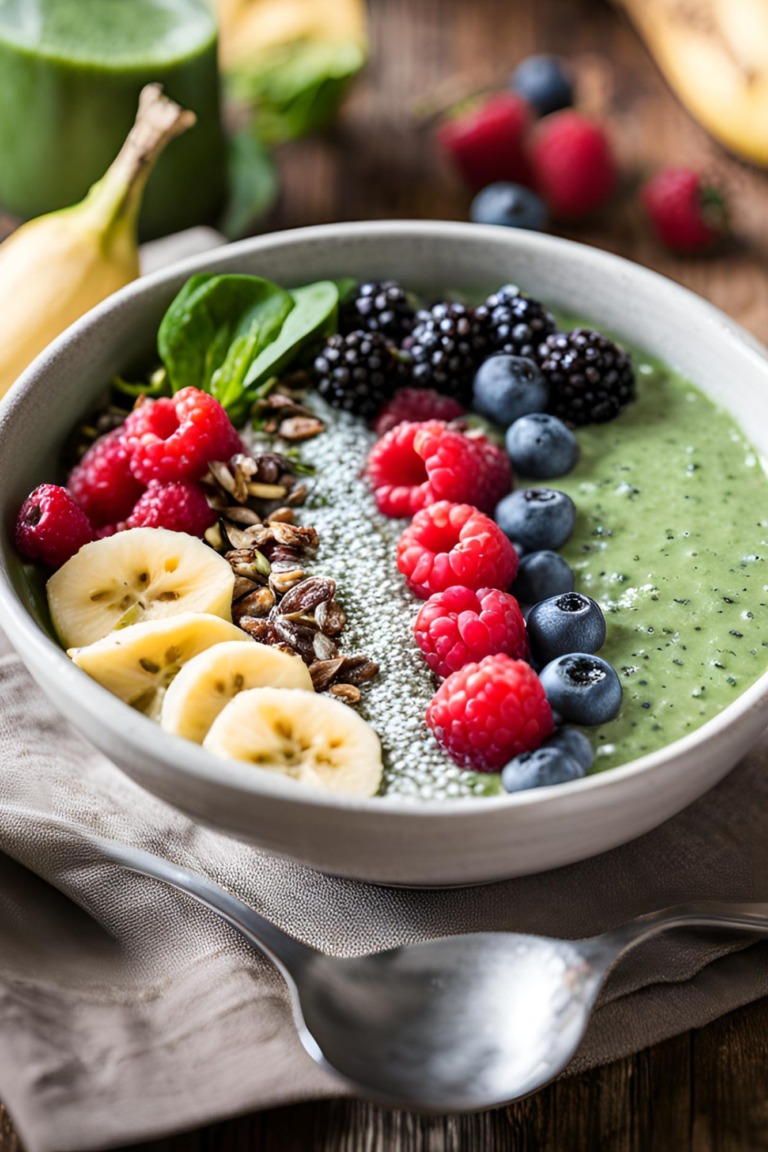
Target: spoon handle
283, 950
748, 918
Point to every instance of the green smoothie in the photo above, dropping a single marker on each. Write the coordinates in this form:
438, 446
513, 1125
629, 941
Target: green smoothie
70, 76
671, 540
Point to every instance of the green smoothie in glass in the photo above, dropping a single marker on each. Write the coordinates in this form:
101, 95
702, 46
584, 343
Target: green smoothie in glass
70, 76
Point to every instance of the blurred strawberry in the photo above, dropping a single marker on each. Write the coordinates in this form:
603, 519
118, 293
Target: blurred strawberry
574, 164
487, 140
688, 215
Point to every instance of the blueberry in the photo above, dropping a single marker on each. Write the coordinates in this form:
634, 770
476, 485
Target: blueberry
544, 82
567, 623
541, 446
540, 518
584, 689
507, 387
574, 744
510, 205
547, 765
541, 575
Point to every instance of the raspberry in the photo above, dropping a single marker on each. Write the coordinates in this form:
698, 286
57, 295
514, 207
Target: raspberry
416, 405
397, 473
415, 465
103, 484
574, 163
459, 627
51, 526
496, 473
177, 438
450, 544
487, 713
687, 215
488, 141
180, 506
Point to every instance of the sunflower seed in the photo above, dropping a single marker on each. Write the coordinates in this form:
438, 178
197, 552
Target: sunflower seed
258, 604
348, 693
239, 515
325, 648
266, 491
222, 475
330, 617
324, 671
305, 596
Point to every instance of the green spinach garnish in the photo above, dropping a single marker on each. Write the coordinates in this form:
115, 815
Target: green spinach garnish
214, 330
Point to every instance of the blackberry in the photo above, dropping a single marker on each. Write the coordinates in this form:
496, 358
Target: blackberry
358, 372
590, 378
379, 306
515, 322
446, 347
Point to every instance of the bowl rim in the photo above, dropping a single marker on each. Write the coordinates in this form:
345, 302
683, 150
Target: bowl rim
140, 731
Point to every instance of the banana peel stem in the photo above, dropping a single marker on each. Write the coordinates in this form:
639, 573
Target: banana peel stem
116, 198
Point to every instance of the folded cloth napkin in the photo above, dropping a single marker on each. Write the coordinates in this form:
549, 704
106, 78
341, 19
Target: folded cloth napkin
128, 1011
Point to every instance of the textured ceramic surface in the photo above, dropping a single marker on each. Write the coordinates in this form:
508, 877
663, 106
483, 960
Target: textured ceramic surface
388, 840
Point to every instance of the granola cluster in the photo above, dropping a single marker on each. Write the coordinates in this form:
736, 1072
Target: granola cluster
276, 599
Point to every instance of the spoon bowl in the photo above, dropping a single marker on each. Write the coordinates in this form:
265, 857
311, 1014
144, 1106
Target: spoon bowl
457, 1024
450, 1024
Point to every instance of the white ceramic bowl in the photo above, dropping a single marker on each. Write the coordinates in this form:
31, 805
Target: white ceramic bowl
386, 840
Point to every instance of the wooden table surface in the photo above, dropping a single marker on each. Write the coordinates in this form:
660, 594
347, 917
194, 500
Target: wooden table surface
706, 1091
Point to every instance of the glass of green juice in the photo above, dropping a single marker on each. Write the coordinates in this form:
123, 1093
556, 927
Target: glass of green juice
70, 76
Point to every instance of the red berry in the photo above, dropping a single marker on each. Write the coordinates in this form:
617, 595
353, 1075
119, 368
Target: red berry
397, 473
575, 167
102, 483
177, 438
415, 465
416, 405
179, 506
487, 713
459, 626
488, 141
51, 526
450, 544
687, 215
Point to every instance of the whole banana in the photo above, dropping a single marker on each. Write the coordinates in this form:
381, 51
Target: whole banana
714, 54
55, 268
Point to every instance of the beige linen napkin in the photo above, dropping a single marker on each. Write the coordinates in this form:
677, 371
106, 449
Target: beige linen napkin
128, 1011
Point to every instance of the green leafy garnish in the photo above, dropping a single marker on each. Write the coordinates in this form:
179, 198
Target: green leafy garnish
314, 314
157, 385
214, 330
296, 88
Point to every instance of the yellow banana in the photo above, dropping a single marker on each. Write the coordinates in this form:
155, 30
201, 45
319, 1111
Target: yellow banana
248, 28
53, 269
714, 53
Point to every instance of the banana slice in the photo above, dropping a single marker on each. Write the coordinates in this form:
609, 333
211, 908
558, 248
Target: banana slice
139, 662
313, 739
141, 574
205, 686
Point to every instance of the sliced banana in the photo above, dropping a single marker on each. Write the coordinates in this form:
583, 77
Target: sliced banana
205, 686
313, 739
139, 662
141, 574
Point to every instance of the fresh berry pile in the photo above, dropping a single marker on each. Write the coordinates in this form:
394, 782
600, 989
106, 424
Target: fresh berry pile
532, 155
476, 550
143, 474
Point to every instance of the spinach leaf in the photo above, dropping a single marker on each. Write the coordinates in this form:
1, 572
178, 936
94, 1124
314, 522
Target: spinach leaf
314, 315
216, 327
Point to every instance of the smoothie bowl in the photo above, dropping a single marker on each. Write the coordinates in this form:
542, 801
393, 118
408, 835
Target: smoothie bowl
346, 632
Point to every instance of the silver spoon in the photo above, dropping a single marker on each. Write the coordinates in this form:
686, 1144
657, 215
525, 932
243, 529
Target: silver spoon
457, 1024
